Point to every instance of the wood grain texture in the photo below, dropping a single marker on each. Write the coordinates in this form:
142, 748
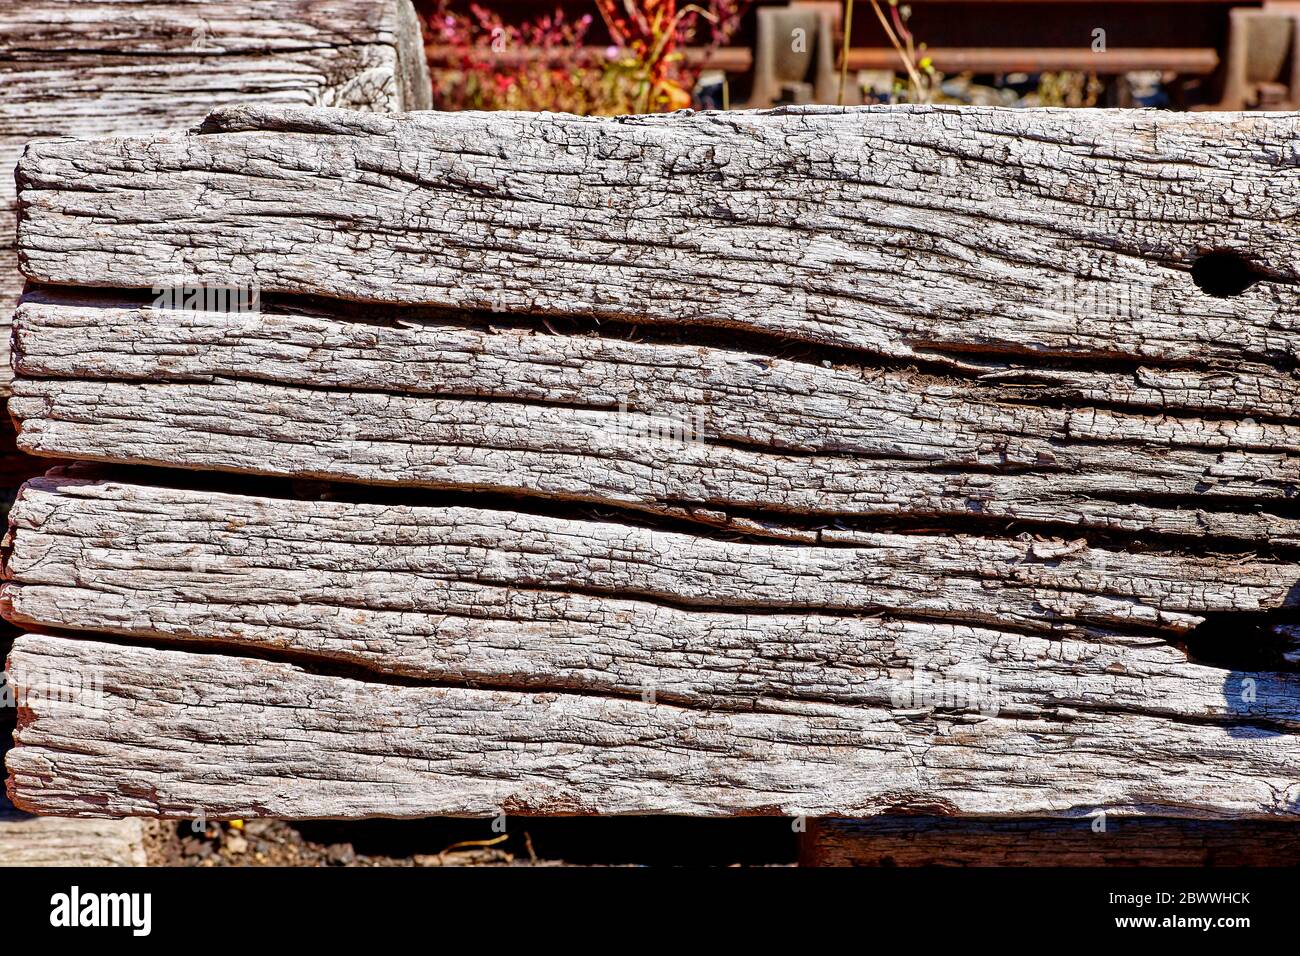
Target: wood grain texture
986, 506
510, 598
914, 233
78, 528
624, 648
939, 841
54, 841
94, 68
169, 731
704, 432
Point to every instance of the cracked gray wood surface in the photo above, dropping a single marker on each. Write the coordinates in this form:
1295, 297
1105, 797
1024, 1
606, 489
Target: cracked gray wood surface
612, 649
109, 68
703, 432
930, 233
961, 423
77, 529
454, 594
112, 67
169, 731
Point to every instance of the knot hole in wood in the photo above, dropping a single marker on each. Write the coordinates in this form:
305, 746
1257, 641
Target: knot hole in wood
1224, 274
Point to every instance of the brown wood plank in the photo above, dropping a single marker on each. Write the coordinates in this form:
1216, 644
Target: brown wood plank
1085, 841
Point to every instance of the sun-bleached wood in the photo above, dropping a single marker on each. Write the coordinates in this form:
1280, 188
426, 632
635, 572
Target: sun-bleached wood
109, 533
112, 67
504, 597
168, 732
56, 841
958, 411
699, 431
579, 630
460, 594
914, 233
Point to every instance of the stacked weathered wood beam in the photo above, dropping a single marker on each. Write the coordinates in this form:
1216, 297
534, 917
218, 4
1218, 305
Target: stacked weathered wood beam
111, 67
808, 462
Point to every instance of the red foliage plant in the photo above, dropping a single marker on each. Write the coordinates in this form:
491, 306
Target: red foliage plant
480, 62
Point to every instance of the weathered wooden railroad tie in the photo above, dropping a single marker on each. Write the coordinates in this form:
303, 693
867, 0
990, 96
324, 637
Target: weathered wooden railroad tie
814, 462
114, 67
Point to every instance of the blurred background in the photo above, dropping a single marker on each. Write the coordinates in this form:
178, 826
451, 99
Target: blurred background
618, 56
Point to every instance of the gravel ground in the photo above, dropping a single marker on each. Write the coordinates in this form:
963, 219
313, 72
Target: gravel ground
275, 843
444, 842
